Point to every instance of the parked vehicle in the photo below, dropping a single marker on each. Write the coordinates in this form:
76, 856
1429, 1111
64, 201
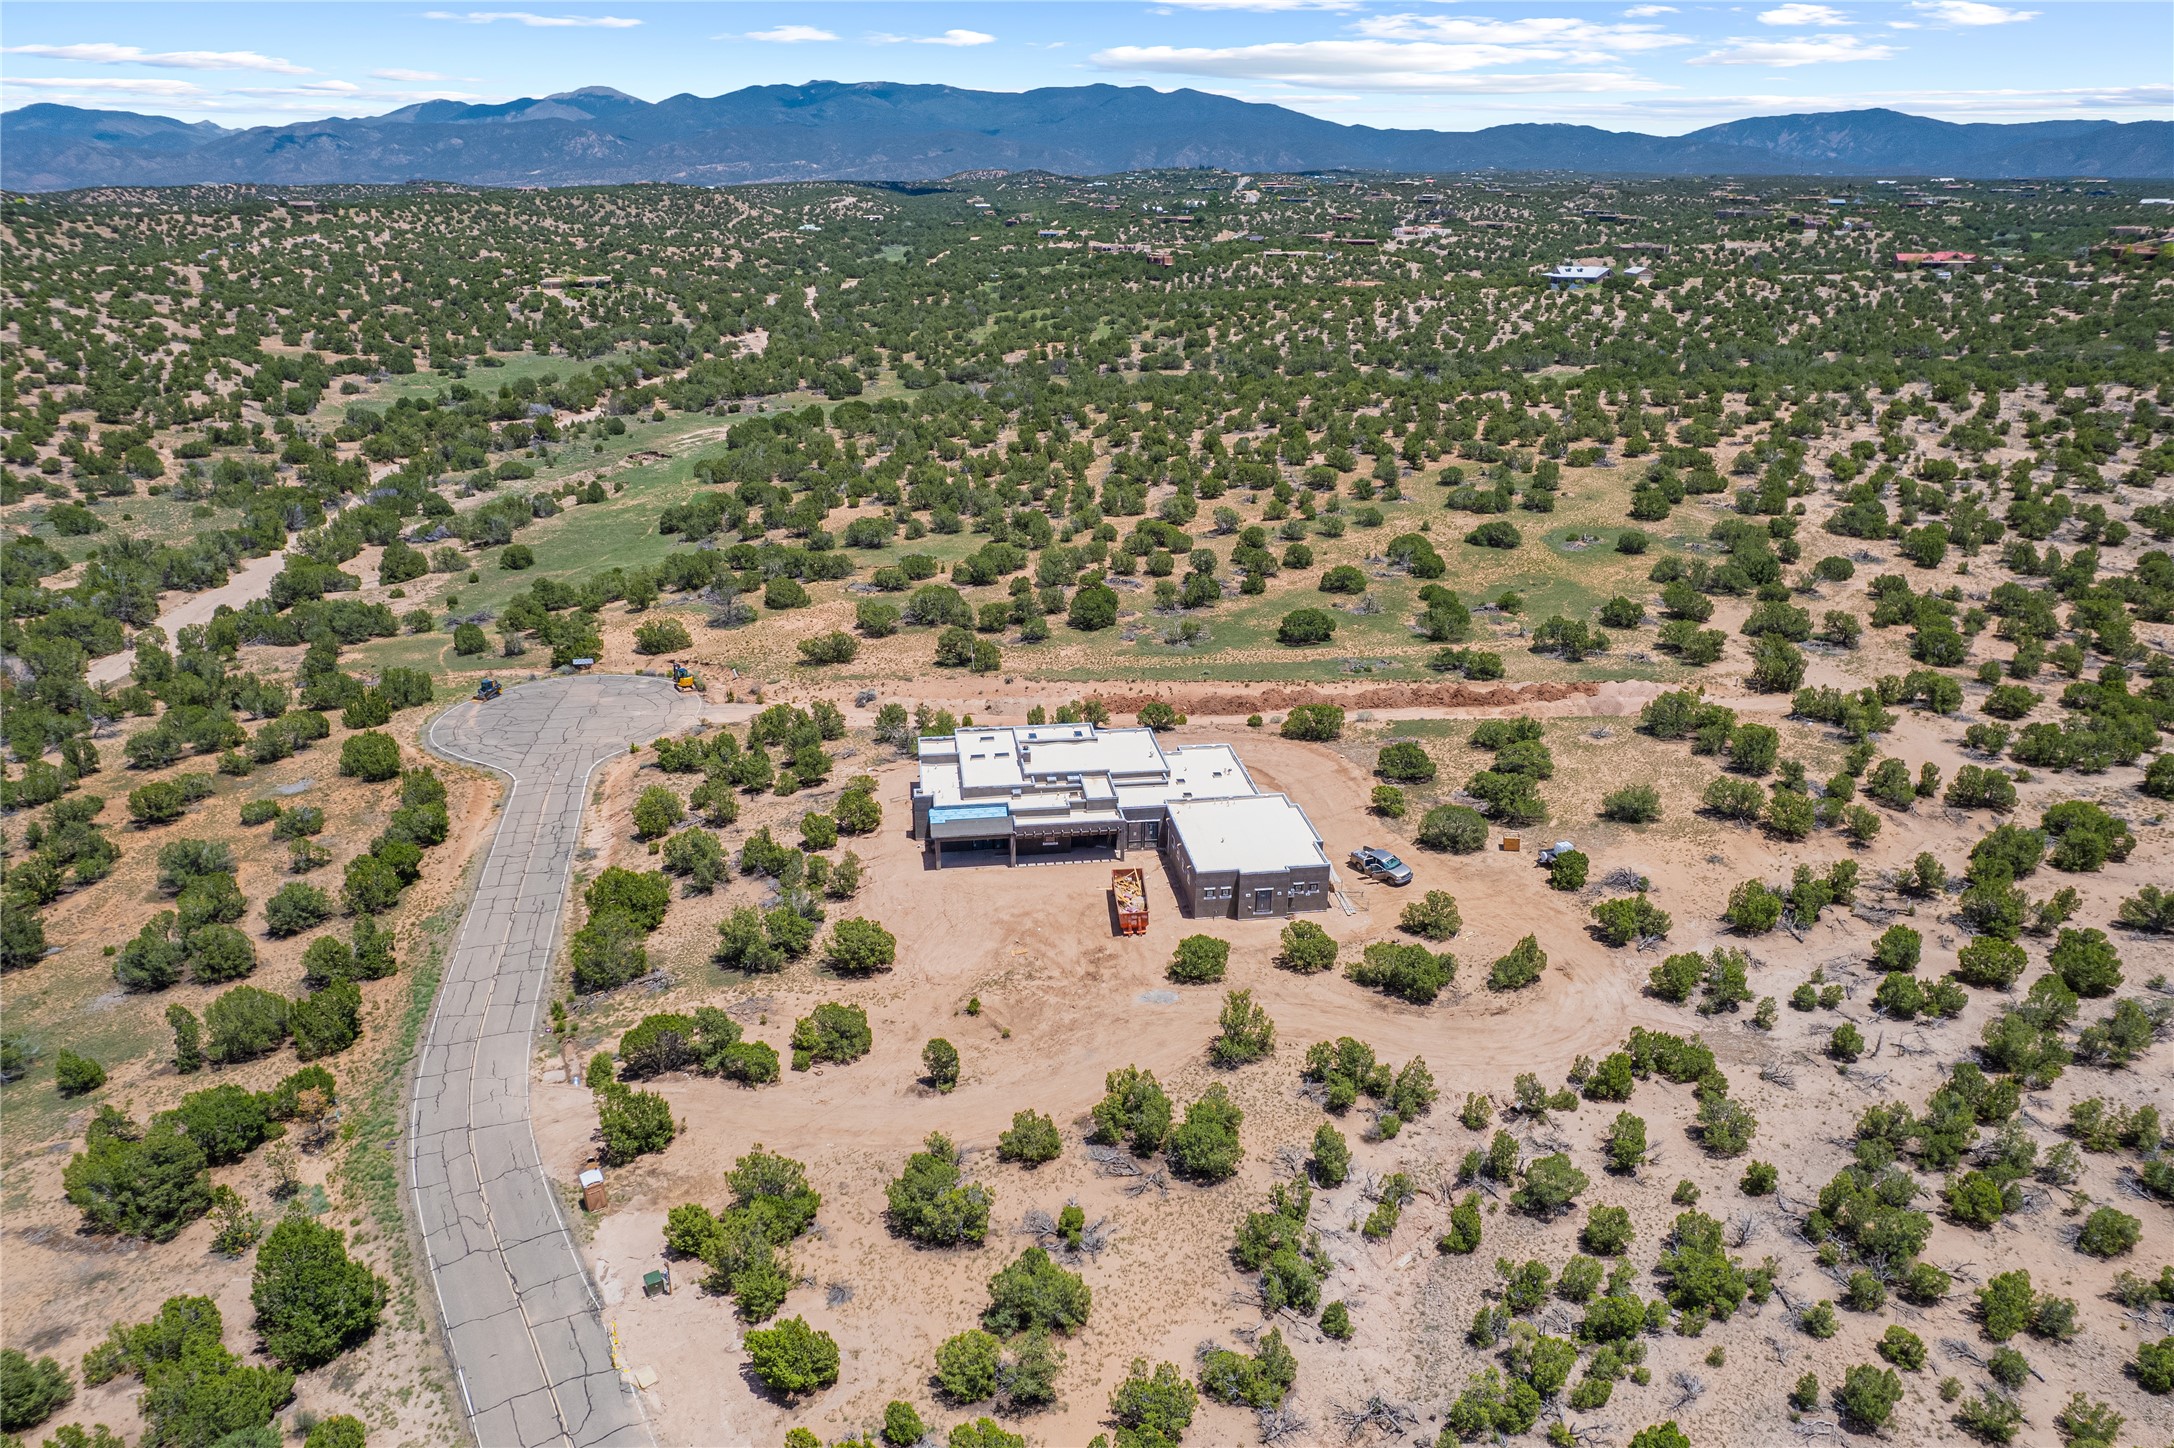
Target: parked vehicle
1378, 864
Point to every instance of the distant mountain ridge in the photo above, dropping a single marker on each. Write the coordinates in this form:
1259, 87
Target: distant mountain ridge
880, 131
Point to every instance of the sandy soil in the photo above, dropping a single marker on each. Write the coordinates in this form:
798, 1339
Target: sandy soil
178, 611
64, 1288
1066, 1001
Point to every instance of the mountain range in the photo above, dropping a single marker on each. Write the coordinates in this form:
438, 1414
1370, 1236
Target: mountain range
878, 131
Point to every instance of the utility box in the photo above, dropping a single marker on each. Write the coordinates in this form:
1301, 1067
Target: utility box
1512, 843
657, 1284
594, 1197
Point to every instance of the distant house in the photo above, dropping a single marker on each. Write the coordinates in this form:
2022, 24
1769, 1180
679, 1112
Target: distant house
1934, 258
1574, 276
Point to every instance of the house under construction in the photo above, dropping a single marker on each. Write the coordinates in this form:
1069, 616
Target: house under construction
1073, 791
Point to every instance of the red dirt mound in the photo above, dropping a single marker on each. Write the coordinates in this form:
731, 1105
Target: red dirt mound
1207, 701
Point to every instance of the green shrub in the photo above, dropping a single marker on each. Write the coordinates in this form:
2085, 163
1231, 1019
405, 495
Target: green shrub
157, 803
1410, 972
295, 907
338, 1431
1868, 1396
75, 1075
1607, 1231
902, 1426
1034, 1292
1199, 960
1135, 1108
1205, 1147
793, 1358
1032, 1140
1434, 916
370, 756
1307, 948
1153, 1409
1902, 1347
1315, 723
1630, 918
244, 1023
831, 1032
1522, 967
2155, 1366
31, 1390
2108, 1232
966, 1366
1246, 1033
1330, 1162
940, 1061
1405, 762
860, 947
930, 1204
1632, 804
2086, 962
1303, 626
633, 1123
313, 1302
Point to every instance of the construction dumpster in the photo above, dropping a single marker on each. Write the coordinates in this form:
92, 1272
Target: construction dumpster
1129, 888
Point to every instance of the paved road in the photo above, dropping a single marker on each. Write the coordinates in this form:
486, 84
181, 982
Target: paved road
521, 1317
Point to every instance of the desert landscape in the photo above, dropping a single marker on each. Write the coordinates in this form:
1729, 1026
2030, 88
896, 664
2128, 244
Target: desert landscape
454, 773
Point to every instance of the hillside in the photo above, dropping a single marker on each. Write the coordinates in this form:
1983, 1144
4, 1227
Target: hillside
884, 131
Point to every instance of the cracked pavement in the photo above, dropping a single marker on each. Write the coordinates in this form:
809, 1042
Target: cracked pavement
522, 1320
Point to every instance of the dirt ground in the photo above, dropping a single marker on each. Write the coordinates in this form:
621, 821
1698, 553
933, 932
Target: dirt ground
1065, 1001
64, 1287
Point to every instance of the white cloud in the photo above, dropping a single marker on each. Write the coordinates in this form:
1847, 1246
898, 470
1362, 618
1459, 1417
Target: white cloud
109, 84
956, 38
1798, 15
100, 53
408, 75
1370, 64
1537, 38
786, 35
1264, 7
310, 100
530, 18
1647, 12
1786, 54
1970, 12
1417, 53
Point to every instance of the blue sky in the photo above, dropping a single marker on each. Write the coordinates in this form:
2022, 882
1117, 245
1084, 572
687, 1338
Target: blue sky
1661, 68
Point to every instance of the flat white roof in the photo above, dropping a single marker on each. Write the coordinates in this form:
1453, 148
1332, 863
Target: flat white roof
997, 761
1249, 834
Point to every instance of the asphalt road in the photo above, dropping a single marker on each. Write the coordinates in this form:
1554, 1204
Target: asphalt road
521, 1317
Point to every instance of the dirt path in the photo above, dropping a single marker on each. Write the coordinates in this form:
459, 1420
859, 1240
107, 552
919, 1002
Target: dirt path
178, 611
